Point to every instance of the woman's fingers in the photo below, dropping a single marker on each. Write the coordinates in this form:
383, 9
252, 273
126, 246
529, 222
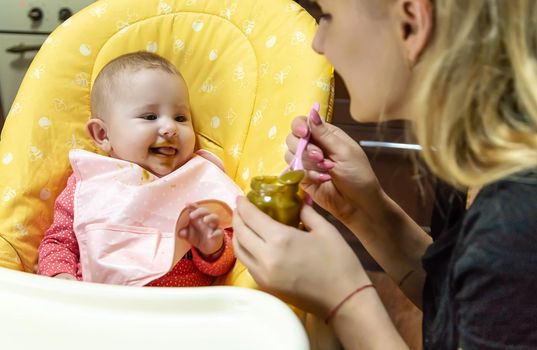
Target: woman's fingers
319, 176
249, 248
312, 158
260, 223
247, 258
313, 220
247, 238
299, 127
334, 141
313, 152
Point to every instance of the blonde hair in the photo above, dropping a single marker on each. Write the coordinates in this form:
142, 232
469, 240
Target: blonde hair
128, 63
477, 98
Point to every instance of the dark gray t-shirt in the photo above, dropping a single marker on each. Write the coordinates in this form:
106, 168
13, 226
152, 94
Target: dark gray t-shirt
481, 287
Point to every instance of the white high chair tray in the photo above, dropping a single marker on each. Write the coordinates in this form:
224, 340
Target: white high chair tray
38, 312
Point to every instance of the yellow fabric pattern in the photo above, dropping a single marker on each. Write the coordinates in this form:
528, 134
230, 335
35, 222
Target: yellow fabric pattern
249, 67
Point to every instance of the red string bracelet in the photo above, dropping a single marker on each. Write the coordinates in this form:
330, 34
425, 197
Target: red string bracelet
340, 304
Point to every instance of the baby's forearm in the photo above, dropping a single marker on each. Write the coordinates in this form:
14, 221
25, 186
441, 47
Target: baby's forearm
55, 258
213, 256
222, 265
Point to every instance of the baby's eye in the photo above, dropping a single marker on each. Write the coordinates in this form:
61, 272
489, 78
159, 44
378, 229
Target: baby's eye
150, 116
180, 119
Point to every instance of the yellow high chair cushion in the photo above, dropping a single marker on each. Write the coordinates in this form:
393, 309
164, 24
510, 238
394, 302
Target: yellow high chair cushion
248, 64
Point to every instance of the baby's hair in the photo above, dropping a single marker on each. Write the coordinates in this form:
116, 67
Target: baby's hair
113, 70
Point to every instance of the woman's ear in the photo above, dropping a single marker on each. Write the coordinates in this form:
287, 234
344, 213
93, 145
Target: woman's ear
98, 132
415, 25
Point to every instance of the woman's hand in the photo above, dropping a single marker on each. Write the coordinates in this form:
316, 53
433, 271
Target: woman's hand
339, 177
313, 270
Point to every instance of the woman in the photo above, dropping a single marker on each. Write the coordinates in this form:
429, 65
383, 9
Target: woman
465, 73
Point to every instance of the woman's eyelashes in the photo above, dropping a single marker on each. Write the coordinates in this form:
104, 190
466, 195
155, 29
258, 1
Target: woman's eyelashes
326, 17
323, 16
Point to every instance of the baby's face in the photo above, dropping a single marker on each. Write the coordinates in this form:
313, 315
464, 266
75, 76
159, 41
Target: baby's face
149, 121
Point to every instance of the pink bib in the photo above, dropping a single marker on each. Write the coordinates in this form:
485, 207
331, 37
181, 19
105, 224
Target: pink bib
126, 219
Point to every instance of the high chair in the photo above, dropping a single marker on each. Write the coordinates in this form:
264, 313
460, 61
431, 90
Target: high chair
250, 70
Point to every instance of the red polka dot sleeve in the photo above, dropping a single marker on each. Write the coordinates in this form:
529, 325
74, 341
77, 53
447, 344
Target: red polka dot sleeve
220, 266
58, 252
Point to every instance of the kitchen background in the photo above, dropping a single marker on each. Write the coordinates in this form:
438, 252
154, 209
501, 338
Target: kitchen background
24, 26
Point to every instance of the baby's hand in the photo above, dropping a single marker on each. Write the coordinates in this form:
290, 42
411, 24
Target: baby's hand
203, 232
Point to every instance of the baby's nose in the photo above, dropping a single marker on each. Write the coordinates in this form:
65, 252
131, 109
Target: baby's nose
168, 129
171, 132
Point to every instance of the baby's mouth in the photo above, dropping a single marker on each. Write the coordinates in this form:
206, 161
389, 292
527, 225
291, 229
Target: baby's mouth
164, 151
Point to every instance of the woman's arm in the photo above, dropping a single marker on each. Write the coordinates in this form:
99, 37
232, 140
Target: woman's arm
395, 241
362, 323
316, 271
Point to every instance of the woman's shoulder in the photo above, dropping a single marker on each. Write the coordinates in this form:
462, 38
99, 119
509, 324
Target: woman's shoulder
502, 218
523, 179
507, 206
500, 228
494, 265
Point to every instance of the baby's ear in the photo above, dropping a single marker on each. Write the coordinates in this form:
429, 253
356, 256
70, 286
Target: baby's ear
98, 132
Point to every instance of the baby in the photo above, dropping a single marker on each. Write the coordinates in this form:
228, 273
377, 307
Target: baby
154, 212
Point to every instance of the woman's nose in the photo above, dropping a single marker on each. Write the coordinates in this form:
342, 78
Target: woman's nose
317, 43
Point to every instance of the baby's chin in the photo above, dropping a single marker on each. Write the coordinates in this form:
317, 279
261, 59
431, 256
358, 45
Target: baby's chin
163, 170
158, 172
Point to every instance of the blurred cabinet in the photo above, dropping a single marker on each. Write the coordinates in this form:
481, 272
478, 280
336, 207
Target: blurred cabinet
24, 26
